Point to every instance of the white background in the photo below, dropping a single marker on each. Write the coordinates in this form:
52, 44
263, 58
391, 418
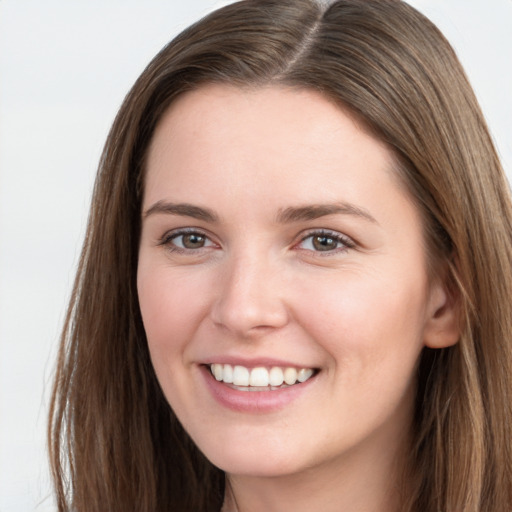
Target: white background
65, 67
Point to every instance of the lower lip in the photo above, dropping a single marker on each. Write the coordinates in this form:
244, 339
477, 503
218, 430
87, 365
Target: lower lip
253, 401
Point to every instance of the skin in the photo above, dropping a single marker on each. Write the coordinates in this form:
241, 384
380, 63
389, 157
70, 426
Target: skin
360, 312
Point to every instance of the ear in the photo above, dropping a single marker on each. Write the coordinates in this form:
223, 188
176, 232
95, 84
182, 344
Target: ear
442, 325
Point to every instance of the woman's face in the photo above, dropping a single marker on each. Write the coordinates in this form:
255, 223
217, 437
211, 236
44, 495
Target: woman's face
278, 243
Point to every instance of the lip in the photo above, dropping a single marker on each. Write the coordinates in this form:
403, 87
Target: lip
254, 363
253, 401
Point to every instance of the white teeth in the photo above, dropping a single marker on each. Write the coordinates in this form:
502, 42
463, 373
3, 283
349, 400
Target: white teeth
217, 371
290, 376
228, 374
240, 376
276, 377
259, 376
304, 374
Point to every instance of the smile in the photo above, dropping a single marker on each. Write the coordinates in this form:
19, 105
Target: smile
259, 378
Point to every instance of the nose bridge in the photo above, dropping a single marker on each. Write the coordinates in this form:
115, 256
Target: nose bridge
250, 296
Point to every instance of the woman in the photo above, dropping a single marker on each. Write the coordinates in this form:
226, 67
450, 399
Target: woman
294, 289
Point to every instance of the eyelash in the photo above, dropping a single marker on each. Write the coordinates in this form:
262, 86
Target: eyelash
345, 242
167, 240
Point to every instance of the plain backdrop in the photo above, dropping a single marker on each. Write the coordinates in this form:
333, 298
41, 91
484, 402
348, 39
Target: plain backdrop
65, 67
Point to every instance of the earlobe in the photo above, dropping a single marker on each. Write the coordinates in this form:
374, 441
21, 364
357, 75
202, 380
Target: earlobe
442, 327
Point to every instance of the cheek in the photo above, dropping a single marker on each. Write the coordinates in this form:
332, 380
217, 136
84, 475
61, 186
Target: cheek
373, 335
369, 326
172, 307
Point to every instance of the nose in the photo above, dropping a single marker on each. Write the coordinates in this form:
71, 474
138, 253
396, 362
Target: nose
250, 301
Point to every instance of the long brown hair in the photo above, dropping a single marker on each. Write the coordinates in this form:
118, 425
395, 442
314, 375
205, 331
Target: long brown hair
115, 443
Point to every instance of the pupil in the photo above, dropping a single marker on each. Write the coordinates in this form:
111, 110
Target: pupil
193, 241
324, 243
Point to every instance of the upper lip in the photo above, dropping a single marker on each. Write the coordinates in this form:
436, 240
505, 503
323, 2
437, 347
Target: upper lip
267, 362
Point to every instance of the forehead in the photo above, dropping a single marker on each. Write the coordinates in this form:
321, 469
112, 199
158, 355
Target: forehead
220, 107
240, 133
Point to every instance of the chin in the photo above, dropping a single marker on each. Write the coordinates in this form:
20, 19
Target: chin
254, 459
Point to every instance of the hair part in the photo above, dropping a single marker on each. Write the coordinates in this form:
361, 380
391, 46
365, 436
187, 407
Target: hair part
391, 68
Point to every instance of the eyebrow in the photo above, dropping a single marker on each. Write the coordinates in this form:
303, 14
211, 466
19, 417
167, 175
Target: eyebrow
315, 211
284, 216
183, 209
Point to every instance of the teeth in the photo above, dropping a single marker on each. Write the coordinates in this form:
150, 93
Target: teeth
227, 373
259, 376
304, 374
240, 376
275, 376
217, 371
290, 376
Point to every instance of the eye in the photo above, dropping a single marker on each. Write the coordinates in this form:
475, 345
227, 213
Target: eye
186, 240
326, 241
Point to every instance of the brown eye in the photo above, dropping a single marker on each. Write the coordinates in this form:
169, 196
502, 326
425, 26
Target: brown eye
187, 241
328, 242
324, 243
193, 241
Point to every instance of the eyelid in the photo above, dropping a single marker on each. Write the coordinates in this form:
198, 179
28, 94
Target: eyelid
346, 241
168, 236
